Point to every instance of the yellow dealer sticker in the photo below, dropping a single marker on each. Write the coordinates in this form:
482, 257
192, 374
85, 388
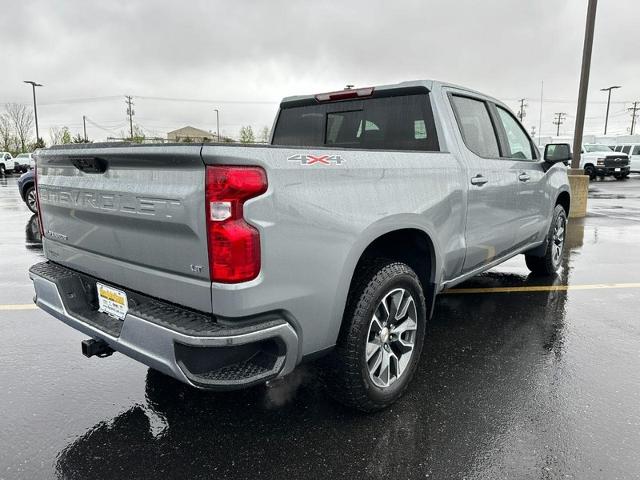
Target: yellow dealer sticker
111, 301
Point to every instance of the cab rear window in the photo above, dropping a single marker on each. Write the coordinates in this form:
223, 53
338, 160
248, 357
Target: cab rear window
403, 122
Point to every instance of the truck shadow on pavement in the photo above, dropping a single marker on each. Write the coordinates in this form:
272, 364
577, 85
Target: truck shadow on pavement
487, 374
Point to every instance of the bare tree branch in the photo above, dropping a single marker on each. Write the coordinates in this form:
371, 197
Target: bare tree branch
21, 118
6, 133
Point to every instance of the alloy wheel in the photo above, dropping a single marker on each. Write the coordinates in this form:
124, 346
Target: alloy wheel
391, 337
31, 199
558, 240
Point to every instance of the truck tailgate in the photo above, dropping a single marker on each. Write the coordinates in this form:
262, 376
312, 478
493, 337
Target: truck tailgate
131, 215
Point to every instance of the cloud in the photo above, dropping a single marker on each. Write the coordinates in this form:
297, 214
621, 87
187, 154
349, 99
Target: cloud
262, 51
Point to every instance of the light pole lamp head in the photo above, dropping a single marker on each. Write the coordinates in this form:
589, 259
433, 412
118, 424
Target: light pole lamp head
34, 84
608, 89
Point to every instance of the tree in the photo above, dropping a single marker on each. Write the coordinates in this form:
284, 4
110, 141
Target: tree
6, 133
66, 136
265, 133
138, 134
39, 144
186, 139
21, 118
246, 134
80, 139
55, 135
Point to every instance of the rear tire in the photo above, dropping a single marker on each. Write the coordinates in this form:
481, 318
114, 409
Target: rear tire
381, 339
549, 263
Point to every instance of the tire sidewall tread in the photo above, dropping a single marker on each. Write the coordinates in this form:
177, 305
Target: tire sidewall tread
347, 375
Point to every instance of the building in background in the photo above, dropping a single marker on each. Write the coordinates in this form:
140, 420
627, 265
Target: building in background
190, 134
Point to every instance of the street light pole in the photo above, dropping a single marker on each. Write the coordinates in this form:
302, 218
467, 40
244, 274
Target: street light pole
35, 107
606, 118
584, 84
217, 125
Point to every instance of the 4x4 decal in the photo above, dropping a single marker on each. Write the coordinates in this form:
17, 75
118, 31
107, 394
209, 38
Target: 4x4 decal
304, 159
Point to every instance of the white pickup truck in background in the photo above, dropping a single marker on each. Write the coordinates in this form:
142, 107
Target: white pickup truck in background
601, 161
8, 164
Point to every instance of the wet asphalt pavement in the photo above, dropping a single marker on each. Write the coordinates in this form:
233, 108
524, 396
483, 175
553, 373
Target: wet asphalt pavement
524, 384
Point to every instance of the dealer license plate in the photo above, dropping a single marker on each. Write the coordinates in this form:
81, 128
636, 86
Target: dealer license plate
112, 301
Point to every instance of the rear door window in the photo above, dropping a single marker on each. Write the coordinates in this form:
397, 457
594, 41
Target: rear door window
401, 122
636, 150
475, 125
518, 142
626, 149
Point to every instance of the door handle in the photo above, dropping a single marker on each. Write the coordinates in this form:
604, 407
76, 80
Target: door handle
478, 180
523, 177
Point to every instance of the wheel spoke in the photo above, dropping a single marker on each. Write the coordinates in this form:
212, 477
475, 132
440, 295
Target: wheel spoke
385, 314
372, 348
406, 302
395, 300
408, 325
373, 367
403, 361
384, 368
375, 323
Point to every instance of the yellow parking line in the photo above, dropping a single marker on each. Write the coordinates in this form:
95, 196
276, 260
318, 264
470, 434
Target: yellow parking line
543, 288
532, 288
20, 306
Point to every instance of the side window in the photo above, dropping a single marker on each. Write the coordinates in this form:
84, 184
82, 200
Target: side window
626, 149
476, 127
519, 144
636, 150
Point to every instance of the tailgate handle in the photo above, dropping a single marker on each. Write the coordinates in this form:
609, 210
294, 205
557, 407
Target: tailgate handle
90, 164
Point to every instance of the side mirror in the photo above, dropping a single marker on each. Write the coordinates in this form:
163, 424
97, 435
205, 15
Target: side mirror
557, 152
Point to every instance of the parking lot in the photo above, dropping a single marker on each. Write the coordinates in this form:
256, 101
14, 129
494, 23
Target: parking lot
520, 378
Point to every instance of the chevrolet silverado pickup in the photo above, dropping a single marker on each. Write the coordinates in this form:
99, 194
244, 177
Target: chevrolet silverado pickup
226, 266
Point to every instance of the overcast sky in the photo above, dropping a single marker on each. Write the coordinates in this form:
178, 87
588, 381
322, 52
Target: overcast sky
243, 56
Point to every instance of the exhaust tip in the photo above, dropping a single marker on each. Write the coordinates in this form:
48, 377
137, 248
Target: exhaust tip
97, 348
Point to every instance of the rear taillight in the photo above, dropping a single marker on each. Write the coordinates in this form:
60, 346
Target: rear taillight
234, 245
35, 181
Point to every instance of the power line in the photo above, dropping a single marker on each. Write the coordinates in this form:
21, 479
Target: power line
521, 113
560, 118
634, 115
130, 111
203, 100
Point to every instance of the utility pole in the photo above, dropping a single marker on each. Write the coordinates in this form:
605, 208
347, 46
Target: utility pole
521, 113
606, 118
130, 111
217, 125
560, 117
541, 101
584, 85
35, 107
84, 126
634, 115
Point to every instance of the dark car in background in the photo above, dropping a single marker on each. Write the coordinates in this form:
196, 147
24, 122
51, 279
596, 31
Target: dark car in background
27, 187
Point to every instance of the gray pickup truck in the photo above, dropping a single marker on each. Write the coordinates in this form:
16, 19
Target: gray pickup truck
226, 266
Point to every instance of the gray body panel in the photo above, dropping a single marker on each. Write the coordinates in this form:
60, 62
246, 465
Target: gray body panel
315, 221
